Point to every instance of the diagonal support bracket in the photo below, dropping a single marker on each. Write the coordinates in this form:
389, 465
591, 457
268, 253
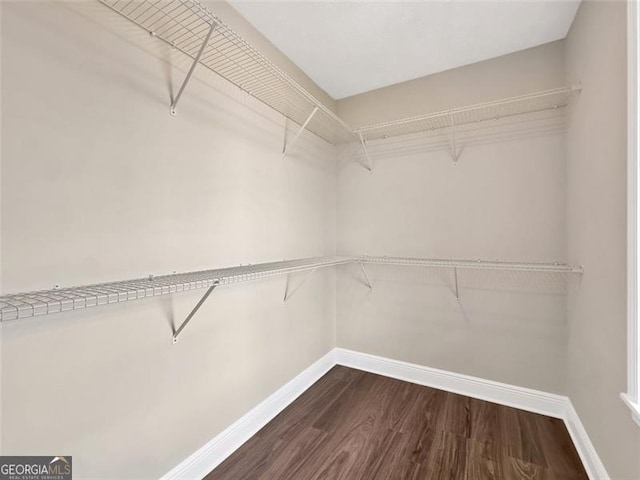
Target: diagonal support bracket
453, 148
366, 152
455, 279
366, 277
196, 60
193, 312
287, 294
295, 139
284, 139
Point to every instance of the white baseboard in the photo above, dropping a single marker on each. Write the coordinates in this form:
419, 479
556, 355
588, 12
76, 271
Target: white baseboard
218, 449
214, 452
590, 458
550, 404
502, 393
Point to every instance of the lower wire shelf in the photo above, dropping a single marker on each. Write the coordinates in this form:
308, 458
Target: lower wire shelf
43, 302
472, 264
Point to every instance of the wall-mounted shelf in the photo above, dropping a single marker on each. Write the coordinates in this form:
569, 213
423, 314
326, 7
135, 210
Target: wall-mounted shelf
469, 117
473, 264
472, 114
23, 305
190, 27
456, 265
44, 302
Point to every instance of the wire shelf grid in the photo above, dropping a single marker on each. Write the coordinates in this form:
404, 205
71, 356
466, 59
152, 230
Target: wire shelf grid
31, 304
22, 305
472, 264
479, 114
184, 24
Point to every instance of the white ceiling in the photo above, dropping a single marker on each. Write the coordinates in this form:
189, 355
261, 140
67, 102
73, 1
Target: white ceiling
350, 47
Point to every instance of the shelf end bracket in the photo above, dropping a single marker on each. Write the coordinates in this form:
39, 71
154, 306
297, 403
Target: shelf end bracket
455, 279
366, 277
366, 152
295, 139
193, 312
196, 60
453, 148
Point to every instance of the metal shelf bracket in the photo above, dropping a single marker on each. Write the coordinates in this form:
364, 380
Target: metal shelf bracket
287, 294
193, 312
366, 152
196, 60
366, 277
295, 139
455, 278
453, 149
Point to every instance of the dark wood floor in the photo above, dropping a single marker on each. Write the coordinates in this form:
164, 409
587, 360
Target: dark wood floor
354, 425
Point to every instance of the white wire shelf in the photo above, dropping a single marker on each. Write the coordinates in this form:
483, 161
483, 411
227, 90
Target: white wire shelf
186, 25
473, 264
31, 304
23, 305
478, 114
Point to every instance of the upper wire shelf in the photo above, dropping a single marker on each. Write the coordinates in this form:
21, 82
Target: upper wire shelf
473, 264
469, 115
186, 25
22, 305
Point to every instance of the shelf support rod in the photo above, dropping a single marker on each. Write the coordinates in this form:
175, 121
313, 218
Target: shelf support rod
193, 67
193, 312
366, 277
288, 295
295, 139
452, 141
455, 278
284, 140
366, 152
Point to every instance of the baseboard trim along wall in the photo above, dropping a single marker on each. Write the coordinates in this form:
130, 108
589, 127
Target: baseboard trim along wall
216, 450
550, 404
590, 458
502, 393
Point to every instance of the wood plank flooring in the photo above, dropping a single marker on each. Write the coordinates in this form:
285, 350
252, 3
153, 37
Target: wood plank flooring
354, 425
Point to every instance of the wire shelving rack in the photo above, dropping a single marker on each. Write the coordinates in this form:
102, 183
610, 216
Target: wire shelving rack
23, 305
191, 28
31, 304
455, 265
472, 114
472, 264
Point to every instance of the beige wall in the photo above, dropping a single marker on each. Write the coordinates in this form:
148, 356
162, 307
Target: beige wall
596, 215
100, 183
504, 200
